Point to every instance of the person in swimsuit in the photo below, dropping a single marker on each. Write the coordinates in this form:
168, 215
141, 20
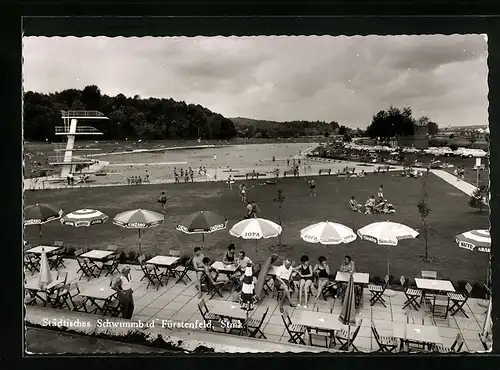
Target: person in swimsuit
162, 200
322, 273
312, 187
306, 276
229, 255
199, 267
243, 192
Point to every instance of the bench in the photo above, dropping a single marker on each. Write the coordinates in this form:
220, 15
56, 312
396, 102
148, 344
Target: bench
252, 175
325, 170
238, 176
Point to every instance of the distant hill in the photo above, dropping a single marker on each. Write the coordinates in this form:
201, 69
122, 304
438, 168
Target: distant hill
248, 127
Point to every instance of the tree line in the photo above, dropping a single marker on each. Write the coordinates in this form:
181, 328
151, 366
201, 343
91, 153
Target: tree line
152, 118
395, 122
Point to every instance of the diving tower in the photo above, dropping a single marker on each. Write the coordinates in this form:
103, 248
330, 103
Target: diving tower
70, 129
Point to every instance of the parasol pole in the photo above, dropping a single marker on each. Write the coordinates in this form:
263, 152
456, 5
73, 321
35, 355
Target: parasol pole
40, 233
86, 246
389, 292
140, 250
202, 240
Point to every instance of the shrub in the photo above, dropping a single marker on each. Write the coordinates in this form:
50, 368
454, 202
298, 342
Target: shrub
70, 251
478, 290
377, 280
461, 286
131, 256
122, 258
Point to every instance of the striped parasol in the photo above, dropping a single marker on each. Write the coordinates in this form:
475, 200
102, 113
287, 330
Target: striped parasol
387, 233
203, 222
348, 312
138, 219
328, 233
255, 228
40, 214
84, 218
477, 241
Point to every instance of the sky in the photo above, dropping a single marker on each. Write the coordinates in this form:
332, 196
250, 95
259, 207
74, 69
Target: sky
282, 78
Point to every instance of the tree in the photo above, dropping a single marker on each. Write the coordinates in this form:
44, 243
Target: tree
391, 123
451, 136
424, 211
472, 139
279, 202
432, 128
479, 198
347, 138
453, 147
327, 135
343, 130
91, 97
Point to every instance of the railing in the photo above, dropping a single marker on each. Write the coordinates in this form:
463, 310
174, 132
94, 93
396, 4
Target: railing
82, 114
65, 130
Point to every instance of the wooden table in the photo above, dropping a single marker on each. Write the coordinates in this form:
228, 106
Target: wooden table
38, 250
229, 311
97, 254
358, 277
434, 285
429, 274
223, 268
321, 322
411, 333
35, 290
98, 293
167, 262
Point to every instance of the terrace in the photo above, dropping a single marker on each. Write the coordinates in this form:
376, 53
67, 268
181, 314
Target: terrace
178, 302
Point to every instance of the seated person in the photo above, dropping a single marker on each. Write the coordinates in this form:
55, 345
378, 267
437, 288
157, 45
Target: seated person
379, 207
388, 208
229, 256
347, 265
322, 274
362, 173
208, 269
282, 282
241, 263
199, 267
355, 206
370, 205
305, 273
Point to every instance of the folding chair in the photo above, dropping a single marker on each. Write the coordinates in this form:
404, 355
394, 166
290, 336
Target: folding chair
254, 326
174, 253
78, 253
112, 307
342, 337
209, 318
57, 259
151, 273
385, 344
87, 269
438, 303
412, 295
72, 299
215, 288
321, 335
459, 300
296, 332
486, 342
32, 263
377, 292
182, 271
428, 274
267, 288
29, 299
326, 290
455, 347
111, 265
56, 296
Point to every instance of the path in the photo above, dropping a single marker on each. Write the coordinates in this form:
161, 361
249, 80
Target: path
464, 186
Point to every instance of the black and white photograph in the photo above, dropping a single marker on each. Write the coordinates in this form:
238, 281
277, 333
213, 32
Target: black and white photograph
294, 194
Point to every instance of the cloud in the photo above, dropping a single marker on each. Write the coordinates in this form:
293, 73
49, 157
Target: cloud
347, 79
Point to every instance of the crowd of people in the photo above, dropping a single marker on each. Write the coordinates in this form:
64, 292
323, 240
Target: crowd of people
289, 277
373, 205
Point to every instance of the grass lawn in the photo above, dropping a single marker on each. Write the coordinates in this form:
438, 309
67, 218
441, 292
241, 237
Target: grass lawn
450, 216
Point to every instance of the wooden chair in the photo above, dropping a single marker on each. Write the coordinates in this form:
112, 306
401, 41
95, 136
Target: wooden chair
78, 253
385, 344
455, 347
174, 253
152, 274
111, 265
412, 295
254, 326
377, 292
459, 300
112, 307
72, 299
439, 305
428, 274
57, 259
342, 337
209, 318
486, 342
32, 263
182, 271
296, 332
87, 269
